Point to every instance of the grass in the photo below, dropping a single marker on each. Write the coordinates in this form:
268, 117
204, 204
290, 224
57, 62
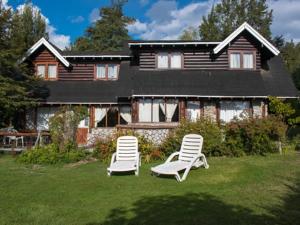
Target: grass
249, 190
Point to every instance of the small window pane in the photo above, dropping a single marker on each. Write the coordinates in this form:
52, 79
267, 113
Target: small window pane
176, 60
162, 60
112, 71
41, 71
100, 71
248, 61
52, 71
235, 60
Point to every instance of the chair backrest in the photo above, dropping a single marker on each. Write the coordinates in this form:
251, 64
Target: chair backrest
127, 148
191, 146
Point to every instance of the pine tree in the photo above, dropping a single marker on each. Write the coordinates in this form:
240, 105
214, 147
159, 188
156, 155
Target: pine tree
109, 32
228, 15
17, 86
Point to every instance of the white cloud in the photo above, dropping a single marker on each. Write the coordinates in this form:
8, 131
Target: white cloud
4, 4
286, 20
167, 21
78, 19
137, 27
94, 15
60, 40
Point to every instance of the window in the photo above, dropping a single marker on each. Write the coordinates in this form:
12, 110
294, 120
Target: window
193, 110
235, 60
169, 60
52, 71
248, 61
233, 109
101, 72
162, 60
241, 60
111, 116
47, 71
41, 71
158, 110
175, 60
107, 71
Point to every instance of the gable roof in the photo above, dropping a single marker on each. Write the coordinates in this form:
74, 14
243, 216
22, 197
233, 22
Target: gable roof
53, 49
252, 31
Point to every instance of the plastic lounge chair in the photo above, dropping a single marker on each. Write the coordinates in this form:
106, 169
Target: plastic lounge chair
189, 156
127, 157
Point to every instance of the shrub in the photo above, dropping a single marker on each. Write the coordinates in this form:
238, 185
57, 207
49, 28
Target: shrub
255, 136
104, 148
209, 130
50, 154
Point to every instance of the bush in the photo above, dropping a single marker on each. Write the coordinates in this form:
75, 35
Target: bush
210, 131
104, 148
255, 136
50, 154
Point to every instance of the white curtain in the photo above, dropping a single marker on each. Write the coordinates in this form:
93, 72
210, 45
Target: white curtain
100, 113
43, 116
193, 110
162, 60
171, 106
176, 60
125, 112
145, 110
52, 71
112, 71
235, 60
232, 109
248, 61
155, 110
41, 71
100, 71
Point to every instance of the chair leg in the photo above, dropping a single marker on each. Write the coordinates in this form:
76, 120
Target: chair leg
206, 166
178, 177
136, 172
108, 173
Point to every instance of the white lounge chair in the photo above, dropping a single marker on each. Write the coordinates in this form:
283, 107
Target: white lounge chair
127, 157
189, 156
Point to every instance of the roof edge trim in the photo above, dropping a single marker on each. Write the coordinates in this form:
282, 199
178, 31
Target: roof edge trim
44, 42
251, 30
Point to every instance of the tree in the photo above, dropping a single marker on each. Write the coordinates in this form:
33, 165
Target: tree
228, 15
189, 34
16, 83
109, 32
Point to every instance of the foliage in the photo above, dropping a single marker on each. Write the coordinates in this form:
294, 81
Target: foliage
18, 31
228, 15
189, 34
284, 110
104, 148
255, 135
209, 130
109, 32
50, 154
63, 126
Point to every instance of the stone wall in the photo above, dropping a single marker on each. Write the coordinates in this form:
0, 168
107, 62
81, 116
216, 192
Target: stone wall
155, 135
257, 108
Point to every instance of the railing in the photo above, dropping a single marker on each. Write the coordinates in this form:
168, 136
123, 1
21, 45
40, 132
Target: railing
20, 141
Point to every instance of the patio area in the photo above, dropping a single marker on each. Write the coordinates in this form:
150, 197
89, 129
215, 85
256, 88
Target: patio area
248, 190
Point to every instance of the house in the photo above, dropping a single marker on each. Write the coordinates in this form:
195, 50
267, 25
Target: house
151, 85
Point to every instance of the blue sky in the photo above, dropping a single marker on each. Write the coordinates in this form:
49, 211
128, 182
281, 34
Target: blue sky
155, 19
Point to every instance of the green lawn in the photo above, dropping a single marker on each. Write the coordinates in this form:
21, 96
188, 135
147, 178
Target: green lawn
233, 191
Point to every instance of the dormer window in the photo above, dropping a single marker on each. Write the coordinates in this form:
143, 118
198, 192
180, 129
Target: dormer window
107, 71
241, 60
172, 60
47, 71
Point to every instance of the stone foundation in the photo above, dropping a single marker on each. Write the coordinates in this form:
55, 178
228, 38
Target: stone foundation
99, 133
257, 108
210, 110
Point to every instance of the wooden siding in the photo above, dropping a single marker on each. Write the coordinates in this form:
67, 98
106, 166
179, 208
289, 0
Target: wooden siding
201, 57
82, 71
43, 55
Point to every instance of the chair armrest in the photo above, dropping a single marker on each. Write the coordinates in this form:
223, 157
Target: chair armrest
171, 157
113, 158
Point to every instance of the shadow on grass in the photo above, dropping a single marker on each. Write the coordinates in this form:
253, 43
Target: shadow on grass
202, 209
